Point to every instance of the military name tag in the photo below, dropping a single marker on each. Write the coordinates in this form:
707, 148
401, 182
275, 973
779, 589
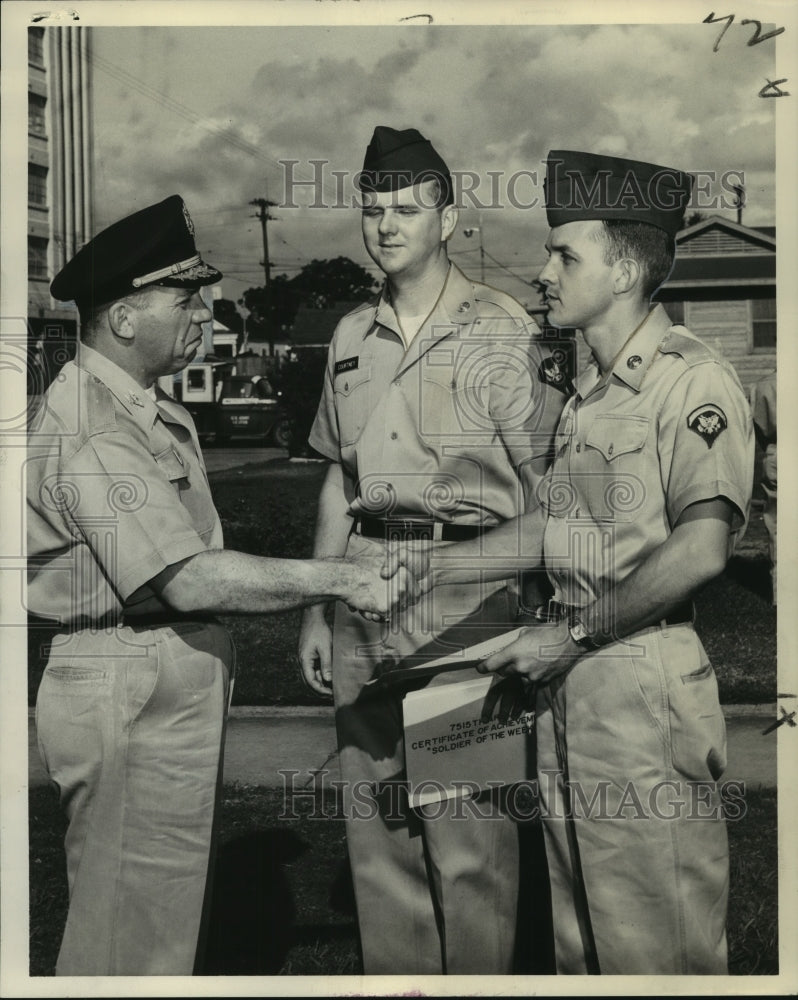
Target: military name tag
347, 365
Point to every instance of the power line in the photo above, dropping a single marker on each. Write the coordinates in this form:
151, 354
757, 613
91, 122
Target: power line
201, 121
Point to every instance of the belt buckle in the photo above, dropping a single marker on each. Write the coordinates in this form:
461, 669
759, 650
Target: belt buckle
551, 611
401, 528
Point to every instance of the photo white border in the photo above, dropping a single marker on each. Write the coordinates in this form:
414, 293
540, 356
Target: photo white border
14, 981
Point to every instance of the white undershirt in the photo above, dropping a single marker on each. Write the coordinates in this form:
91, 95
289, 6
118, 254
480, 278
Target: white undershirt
410, 325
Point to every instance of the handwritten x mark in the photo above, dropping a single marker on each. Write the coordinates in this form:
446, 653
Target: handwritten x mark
789, 718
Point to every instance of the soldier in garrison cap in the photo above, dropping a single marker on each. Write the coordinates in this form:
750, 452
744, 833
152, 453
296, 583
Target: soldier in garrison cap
126, 560
437, 425
649, 489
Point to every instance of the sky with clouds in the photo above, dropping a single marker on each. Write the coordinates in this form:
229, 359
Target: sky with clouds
210, 112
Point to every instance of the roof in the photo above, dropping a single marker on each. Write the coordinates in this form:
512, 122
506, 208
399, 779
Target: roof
745, 268
718, 235
717, 251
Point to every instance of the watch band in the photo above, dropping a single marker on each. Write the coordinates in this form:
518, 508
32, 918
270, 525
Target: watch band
580, 634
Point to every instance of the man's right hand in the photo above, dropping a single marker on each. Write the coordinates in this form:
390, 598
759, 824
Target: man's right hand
315, 650
414, 556
377, 594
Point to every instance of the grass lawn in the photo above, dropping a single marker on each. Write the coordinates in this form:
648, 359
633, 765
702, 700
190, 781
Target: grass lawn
283, 900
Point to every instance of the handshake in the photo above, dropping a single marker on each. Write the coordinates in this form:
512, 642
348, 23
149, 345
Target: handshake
381, 583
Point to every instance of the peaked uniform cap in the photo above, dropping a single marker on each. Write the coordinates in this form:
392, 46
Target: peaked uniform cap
585, 186
153, 246
399, 158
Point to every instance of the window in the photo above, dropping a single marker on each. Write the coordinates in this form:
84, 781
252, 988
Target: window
36, 46
37, 185
675, 311
37, 257
195, 381
763, 317
37, 123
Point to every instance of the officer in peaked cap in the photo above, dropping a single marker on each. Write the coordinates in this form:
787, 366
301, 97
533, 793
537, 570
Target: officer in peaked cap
428, 435
126, 561
152, 246
648, 492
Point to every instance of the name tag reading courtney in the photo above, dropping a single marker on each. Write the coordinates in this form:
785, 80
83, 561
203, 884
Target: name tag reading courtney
347, 365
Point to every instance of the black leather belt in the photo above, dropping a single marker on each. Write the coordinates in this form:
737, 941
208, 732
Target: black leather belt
165, 618
405, 528
555, 611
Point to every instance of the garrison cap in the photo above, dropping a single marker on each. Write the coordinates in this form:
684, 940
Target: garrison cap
152, 246
398, 159
584, 186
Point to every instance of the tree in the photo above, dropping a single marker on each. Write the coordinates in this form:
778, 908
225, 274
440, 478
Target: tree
225, 311
322, 283
271, 310
319, 285
692, 219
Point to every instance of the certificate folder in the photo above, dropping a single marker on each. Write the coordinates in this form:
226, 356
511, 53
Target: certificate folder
466, 659
449, 750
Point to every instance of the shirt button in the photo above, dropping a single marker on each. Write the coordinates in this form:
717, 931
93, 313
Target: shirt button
346, 387
610, 449
578, 446
394, 435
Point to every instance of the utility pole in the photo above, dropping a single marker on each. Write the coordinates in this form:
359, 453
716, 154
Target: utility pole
264, 205
739, 190
470, 232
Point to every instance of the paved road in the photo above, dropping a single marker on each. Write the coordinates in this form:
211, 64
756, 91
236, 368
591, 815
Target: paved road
240, 453
263, 742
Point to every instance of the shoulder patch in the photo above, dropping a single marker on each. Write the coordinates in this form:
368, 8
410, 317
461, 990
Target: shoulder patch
708, 421
550, 372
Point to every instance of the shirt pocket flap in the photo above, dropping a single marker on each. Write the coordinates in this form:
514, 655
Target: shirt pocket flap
346, 382
171, 464
614, 436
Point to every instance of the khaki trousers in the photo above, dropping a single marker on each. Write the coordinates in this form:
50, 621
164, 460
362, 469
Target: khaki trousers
130, 726
631, 744
436, 893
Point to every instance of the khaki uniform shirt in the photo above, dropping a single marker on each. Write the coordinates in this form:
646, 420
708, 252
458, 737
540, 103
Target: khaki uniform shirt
458, 426
116, 492
669, 427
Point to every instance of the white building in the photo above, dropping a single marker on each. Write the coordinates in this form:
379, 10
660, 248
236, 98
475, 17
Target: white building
60, 191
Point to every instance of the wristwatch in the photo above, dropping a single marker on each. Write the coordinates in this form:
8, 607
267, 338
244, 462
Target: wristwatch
580, 634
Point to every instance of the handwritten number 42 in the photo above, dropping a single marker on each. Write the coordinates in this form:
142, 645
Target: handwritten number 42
755, 39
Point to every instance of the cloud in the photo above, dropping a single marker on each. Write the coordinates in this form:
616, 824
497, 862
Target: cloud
217, 109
